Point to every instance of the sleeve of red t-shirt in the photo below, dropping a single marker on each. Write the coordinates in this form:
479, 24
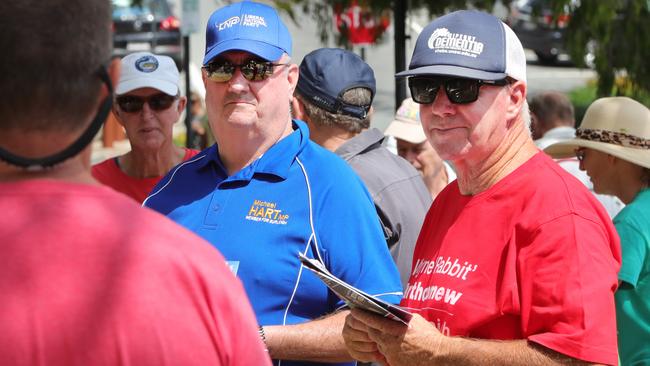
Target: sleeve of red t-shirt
567, 277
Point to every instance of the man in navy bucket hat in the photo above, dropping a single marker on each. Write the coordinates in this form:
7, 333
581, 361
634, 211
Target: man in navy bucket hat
264, 193
514, 250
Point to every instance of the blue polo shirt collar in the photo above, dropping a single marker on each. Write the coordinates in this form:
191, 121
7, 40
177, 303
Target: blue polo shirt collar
276, 161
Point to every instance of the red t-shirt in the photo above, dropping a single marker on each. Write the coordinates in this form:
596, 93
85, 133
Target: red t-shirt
87, 277
534, 257
109, 173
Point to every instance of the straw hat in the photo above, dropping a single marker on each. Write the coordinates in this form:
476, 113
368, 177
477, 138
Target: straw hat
406, 125
618, 126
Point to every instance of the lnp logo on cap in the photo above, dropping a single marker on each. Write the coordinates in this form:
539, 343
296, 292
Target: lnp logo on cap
443, 41
146, 64
246, 20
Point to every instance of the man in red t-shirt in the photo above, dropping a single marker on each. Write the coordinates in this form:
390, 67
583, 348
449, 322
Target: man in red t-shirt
87, 276
516, 262
147, 104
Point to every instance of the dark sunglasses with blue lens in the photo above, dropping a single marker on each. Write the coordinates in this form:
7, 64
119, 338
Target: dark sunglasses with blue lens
459, 90
222, 70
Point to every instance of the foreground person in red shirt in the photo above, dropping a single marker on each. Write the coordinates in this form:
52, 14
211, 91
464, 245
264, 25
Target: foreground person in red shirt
87, 277
147, 104
517, 262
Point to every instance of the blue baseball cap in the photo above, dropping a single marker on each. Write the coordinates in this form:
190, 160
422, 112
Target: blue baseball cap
470, 44
327, 73
247, 26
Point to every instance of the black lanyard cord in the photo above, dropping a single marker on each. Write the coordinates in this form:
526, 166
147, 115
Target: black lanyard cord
35, 164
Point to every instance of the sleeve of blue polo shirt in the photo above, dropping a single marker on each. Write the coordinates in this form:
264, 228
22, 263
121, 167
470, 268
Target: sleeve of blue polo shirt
352, 241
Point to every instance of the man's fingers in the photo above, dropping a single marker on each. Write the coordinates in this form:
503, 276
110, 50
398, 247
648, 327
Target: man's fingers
377, 322
366, 356
354, 323
375, 335
359, 345
362, 347
355, 335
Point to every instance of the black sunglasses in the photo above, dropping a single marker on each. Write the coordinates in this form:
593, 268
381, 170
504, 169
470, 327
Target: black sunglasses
221, 71
458, 90
157, 102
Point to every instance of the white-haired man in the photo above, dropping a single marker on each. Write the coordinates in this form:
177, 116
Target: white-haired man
517, 262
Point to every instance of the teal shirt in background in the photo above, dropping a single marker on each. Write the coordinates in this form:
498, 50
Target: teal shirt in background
633, 296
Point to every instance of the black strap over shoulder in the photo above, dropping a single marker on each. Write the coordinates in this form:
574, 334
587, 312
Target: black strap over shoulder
391, 235
77, 146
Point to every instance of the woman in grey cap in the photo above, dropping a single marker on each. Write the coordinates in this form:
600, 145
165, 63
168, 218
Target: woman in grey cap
613, 146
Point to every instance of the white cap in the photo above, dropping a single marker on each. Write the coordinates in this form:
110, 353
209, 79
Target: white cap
406, 125
146, 70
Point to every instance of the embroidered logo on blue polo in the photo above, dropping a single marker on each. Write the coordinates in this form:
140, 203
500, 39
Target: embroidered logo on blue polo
146, 64
267, 212
443, 41
246, 20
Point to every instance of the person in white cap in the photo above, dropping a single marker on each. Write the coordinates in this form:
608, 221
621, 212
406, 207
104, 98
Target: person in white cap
413, 146
516, 262
147, 104
613, 147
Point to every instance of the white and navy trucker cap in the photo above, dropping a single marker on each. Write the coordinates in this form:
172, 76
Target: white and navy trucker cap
470, 44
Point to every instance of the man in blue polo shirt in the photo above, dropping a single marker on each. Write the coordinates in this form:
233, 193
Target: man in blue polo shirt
264, 192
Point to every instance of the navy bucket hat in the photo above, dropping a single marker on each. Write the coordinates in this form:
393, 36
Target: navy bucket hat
327, 73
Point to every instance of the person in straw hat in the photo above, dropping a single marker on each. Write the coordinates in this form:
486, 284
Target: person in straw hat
613, 146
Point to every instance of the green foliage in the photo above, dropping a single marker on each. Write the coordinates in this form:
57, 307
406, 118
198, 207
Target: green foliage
616, 31
583, 97
287, 6
179, 139
321, 11
437, 8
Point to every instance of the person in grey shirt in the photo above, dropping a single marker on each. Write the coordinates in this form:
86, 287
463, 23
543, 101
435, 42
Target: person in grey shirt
334, 96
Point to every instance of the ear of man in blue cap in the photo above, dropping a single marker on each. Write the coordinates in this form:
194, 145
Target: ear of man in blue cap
334, 96
265, 192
